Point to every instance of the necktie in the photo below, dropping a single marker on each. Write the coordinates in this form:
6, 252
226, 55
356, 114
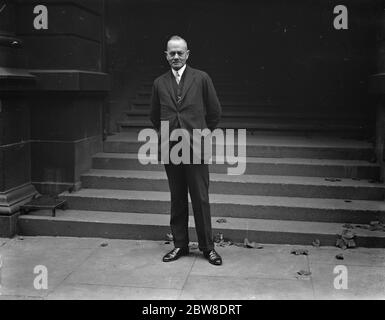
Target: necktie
177, 77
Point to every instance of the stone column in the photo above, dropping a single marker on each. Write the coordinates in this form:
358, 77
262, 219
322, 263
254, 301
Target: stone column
15, 147
377, 87
67, 58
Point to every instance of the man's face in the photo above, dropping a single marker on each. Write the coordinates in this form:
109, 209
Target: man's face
177, 54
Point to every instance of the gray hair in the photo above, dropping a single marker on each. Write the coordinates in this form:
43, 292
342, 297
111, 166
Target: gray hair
177, 38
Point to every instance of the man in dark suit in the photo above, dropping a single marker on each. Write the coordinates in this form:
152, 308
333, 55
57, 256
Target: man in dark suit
186, 98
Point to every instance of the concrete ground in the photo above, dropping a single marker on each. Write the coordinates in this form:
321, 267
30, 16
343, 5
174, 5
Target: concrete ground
89, 268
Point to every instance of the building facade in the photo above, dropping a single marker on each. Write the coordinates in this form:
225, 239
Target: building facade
71, 72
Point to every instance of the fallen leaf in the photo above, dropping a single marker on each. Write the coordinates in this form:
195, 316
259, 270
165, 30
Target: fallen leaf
238, 244
253, 245
362, 226
348, 234
194, 246
316, 243
248, 244
346, 239
225, 243
351, 243
300, 252
340, 243
377, 228
304, 273
169, 237
332, 179
218, 237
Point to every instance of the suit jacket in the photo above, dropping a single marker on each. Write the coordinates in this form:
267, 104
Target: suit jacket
199, 107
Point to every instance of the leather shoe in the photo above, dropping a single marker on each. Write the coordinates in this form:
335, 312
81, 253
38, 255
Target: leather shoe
213, 257
175, 254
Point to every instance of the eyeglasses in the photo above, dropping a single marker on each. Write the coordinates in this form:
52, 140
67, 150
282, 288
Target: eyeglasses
173, 53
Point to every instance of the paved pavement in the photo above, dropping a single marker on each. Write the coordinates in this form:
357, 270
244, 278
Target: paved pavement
89, 268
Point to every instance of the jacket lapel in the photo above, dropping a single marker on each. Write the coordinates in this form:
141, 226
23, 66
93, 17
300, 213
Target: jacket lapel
188, 80
169, 78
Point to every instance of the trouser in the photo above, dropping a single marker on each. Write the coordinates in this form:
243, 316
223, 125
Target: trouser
193, 179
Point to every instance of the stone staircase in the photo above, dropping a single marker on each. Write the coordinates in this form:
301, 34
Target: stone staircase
257, 104
308, 174
296, 188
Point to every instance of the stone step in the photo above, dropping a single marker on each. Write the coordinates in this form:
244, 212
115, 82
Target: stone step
262, 166
241, 115
222, 83
116, 225
264, 144
295, 125
270, 111
223, 88
229, 94
216, 75
266, 103
282, 133
143, 95
236, 206
286, 186
259, 107
144, 104
215, 65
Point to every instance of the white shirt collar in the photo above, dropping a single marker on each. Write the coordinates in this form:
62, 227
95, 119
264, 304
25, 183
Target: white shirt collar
180, 71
